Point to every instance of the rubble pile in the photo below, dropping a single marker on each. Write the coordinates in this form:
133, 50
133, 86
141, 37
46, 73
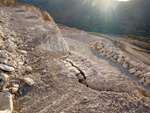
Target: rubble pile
137, 67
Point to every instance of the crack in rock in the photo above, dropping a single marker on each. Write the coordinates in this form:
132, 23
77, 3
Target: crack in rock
104, 87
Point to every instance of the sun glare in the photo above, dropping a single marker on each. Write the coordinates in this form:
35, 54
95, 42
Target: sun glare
123, 0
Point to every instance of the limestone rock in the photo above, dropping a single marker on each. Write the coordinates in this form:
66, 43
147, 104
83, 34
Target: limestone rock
146, 74
132, 70
28, 68
6, 101
102, 54
6, 111
12, 63
80, 76
141, 80
54, 42
127, 59
138, 73
119, 60
22, 51
4, 90
4, 77
132, 63
11, 49
6, 68
16, 85
113, 59
29, 81
147, 79
14, 90
125, 65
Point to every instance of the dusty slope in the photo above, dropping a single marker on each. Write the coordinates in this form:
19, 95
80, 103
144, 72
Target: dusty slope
57, 89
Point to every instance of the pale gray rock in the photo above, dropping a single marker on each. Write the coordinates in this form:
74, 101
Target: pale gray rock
4, 90
14, 90
74, 70
132, 63
29, 81
12, 63
10, 49
6, 101
28, 68
16, 85
4, 77
102, 54
137, 73
119, 60
147, 79
6, 68
146, 74
127, 59
54, 42
125, 65
141, 80
132, 70
22, 51
5, 111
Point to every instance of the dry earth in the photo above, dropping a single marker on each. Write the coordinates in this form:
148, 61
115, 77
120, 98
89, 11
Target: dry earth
106, 86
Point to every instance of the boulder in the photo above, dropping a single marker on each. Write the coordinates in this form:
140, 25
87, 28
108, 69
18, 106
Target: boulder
132, 70
4, 77
29, 81
147, 79
141, 80
28, 68
102, 54
132, 63
6, 101
127, 59
119, 60
146, 74
14, 90
125, 65
12, 63
137, 73
6, 68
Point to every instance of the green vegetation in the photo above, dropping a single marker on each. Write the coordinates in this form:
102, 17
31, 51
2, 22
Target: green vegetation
139, 38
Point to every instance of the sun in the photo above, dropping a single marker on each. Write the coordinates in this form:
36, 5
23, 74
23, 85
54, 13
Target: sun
123, 0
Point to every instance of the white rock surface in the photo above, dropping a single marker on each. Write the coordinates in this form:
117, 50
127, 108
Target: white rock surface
125, 65
6, 68
29, 81
146, 74
4, 77
6, 111
132, 70
14, 90
6, 101
28, 68
147, 79
127, 59
141, 80
12, 63
138, 73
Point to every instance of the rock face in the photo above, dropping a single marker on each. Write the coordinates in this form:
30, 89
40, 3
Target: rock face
54, 42
6, 101
6, 68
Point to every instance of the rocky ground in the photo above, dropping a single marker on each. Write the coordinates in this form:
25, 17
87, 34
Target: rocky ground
47, 69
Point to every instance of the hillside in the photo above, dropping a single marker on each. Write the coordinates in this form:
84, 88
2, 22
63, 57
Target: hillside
103, 16
51, 68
